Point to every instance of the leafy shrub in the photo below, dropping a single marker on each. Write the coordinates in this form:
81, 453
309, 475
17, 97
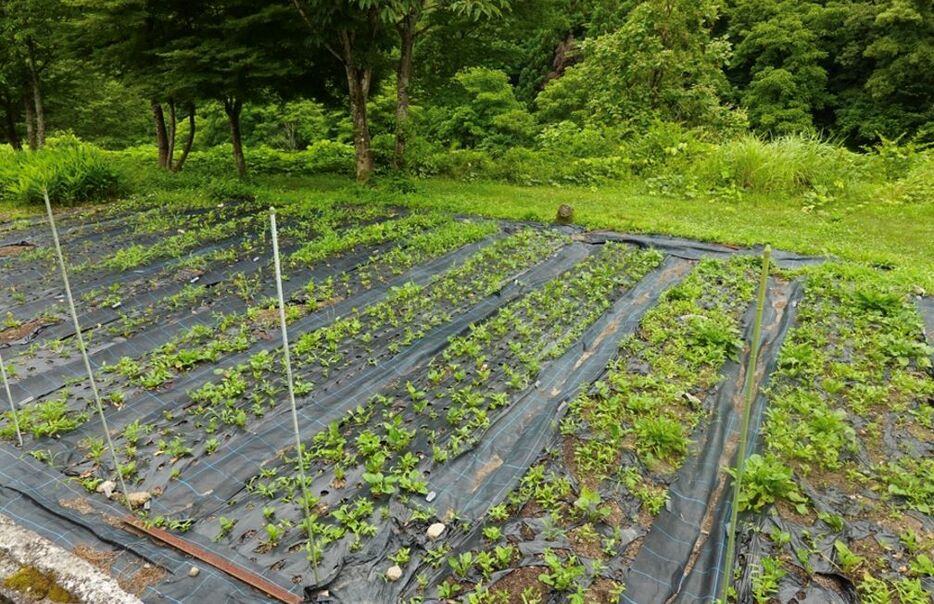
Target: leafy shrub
490, 115
229, 189
568, 139
329, 156
71, 171
522, 166
766, 480
916, 182
462, 164
789, 164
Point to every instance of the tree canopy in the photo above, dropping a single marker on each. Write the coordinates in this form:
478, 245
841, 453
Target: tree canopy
384, 75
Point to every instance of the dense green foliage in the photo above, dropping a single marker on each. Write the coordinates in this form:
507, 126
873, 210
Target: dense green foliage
531, 91
69, 171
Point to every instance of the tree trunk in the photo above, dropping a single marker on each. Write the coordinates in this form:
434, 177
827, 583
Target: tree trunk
36, 93
9, 109
28, 108
189, 141
162, 139
171, 127
358, 85
233, 106
403, 76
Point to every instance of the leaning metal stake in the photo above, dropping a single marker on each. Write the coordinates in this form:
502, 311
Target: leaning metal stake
287, 361
9, 396
84, 350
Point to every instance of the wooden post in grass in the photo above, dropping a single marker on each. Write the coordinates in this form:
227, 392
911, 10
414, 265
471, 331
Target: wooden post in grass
84, 351
287, 361
749, 395
9, 396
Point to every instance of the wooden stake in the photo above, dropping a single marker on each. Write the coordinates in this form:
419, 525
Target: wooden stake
749, 390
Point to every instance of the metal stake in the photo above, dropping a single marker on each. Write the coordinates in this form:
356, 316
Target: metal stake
9, 396
83, 349
287, 360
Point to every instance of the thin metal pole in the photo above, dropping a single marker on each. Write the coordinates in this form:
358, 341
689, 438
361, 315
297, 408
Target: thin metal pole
749, 391
9, 396
287, 360
84, 351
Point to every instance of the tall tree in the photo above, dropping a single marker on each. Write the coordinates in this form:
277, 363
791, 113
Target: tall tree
901, 84
777, 64
358, 34
663, 63
413, 20
32, 29
128, 39
239, 50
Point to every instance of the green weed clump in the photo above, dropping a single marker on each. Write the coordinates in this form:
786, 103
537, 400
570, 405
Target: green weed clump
789, 164
72, 171
38, 585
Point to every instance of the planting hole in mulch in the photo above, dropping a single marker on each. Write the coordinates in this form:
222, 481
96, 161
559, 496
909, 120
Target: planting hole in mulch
14, 249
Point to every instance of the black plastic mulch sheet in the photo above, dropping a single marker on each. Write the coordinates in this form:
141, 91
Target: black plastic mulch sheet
679, 558
35, 496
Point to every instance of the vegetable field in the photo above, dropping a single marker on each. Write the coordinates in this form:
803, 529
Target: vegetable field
489, 411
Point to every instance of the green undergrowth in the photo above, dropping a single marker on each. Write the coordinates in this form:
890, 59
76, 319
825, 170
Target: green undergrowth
453, 400
850, 418
624, 437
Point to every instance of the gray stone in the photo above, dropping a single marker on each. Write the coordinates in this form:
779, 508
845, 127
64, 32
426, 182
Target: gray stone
435, 530
139, 498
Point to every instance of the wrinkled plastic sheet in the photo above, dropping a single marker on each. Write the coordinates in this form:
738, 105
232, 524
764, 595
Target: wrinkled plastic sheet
681, 559
469, 484
695, 250
35, 496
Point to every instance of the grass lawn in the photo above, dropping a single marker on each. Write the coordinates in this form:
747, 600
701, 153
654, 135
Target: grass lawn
896, 237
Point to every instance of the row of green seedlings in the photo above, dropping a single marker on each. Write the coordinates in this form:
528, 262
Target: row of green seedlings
112, 296
234, 333
375, 453
218, 410
243, 286
137, 214
301, 227
201, 230
853, 369
627, 436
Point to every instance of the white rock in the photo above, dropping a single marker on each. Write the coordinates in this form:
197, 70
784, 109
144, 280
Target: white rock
394, 573
194, 571
106, 488
139, 498
435, 530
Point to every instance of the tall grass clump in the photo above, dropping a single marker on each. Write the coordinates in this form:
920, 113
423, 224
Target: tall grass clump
791, 165
72, 171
